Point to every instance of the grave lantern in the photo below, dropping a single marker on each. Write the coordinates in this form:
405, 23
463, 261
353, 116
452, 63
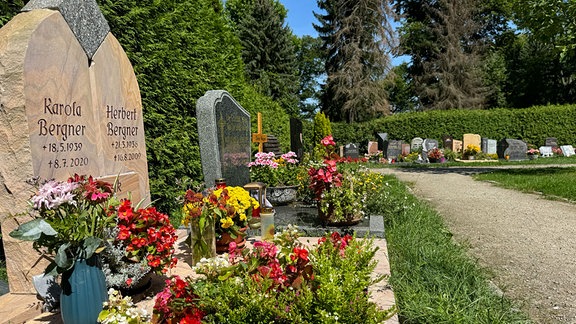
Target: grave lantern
258, 191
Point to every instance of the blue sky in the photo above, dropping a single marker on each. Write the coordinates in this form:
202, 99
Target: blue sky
300, 16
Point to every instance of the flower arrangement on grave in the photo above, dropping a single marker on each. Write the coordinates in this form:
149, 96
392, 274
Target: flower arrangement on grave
274, 172
471, 150
339, 198
142, 242
435, 154
289, 283
228, 209
557, 151
69, 220
533, 151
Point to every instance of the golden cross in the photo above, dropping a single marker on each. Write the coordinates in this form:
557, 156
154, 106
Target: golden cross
259, 137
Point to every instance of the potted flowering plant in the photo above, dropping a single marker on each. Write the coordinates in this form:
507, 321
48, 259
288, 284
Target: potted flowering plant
201, 219
338, 198
533, 153
280, 175
229, 207
435, 155
142, 242
471, 151
69, 221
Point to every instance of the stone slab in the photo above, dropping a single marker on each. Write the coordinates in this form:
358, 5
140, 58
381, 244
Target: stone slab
567, 150
471, 139
352, 150
306, 218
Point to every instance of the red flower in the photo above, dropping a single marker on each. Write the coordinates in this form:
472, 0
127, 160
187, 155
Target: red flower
301, 253
128, 281
124, 233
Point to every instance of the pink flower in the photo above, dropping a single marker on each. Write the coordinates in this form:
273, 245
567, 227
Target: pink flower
328, 140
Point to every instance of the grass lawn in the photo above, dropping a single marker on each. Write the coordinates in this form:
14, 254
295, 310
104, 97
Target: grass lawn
551, 182
434, 280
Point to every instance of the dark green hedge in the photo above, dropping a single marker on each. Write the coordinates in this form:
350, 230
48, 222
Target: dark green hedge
533, 125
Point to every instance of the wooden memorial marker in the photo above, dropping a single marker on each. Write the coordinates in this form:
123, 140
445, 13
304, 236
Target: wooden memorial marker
259, 137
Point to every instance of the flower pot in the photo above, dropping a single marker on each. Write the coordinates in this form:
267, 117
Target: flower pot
83, 292
281, 195
471, 157
327, 218
225, 239
203, 241
432, 160
137, 287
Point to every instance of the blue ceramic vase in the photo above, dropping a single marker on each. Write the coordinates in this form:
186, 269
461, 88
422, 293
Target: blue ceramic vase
83, 292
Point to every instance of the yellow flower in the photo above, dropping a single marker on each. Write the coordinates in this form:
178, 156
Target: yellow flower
226, 222
242, 217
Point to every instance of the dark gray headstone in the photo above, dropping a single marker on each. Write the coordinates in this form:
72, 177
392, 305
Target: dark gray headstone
224, 136
382, 141
84, 18
416, 144
296, 139
351, 150
394, 149
551, 141
448, 142
272, 145
513, 148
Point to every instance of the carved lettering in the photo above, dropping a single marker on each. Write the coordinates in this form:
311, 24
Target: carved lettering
124, 131
61, 108
121, 113
63, 130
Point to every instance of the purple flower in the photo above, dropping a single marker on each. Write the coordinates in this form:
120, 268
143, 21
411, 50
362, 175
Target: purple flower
53, 194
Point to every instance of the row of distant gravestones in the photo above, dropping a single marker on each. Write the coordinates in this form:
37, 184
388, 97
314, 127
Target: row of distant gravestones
514, 149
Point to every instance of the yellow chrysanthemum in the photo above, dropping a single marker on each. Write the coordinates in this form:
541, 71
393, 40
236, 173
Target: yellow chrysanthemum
226, 222
242, 217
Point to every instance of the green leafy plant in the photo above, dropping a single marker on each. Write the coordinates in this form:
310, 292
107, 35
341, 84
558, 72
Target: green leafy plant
280, 282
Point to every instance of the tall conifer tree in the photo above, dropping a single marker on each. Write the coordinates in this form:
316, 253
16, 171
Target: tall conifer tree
358, 41
268, 49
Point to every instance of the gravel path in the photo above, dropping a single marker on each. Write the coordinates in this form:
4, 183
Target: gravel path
528, 243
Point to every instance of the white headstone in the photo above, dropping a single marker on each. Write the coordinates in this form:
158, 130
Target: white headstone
567, 150
546, 151
416, 144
